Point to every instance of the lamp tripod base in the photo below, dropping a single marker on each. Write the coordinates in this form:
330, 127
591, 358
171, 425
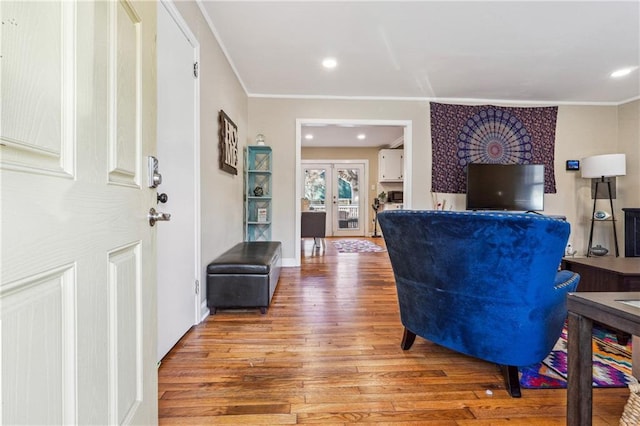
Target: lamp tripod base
593, 219
375, 208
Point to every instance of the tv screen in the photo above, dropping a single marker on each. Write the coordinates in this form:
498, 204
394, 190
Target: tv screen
505, 187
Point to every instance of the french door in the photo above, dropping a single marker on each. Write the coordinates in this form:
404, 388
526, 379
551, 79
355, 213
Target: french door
339, 188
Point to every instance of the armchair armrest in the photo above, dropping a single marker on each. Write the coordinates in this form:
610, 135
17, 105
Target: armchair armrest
566, 281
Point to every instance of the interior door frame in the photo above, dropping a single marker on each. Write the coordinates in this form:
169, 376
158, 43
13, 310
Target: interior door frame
408, 154
200, 309
332, 220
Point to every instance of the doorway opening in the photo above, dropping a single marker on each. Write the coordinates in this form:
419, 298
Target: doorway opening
405, 125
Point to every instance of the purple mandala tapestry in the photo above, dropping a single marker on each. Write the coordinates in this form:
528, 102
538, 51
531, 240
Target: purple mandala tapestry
463, 134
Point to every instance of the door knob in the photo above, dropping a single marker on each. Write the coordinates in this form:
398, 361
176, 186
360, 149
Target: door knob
162, 198
155, 216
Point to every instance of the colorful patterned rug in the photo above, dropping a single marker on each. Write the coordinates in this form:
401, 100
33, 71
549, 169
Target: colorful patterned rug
357, 246
611, 364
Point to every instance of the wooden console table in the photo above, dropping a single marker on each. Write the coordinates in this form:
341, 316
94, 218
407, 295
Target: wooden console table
585, 308
606, 273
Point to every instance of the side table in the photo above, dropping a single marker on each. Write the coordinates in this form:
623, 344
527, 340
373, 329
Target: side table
606, 273
584, 308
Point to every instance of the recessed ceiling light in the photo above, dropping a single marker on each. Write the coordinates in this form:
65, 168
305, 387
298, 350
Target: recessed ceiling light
329, 63
362, 136
308, 136
622, 72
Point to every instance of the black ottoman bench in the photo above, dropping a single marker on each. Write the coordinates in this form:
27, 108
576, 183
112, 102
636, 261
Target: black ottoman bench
244, 276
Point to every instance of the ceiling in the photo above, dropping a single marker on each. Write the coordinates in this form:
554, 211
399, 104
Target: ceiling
523, 52
343, 135
542, 52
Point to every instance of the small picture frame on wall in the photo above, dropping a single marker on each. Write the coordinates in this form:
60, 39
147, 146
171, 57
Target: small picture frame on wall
228, 136
573, 164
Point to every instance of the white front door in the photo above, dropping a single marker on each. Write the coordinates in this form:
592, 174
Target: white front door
177, 240
337, 188
78, 283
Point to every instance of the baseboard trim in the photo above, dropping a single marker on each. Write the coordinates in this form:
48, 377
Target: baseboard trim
289, 262
204, 311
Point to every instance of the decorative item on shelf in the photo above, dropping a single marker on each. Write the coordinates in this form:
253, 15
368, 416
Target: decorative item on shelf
440, 205
569, 250
382, 197
260, 139
597, 168
599, 250
262, 215
601, 215
258, 193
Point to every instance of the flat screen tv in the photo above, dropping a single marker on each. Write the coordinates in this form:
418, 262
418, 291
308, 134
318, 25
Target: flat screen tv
518, 187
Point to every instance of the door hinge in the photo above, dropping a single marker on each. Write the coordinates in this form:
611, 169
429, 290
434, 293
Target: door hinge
197, 287
195, 69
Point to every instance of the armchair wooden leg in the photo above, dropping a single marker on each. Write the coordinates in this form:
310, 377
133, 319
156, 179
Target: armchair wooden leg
407, 339
511, 380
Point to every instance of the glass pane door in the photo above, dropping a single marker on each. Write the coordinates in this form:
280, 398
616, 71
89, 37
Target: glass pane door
315, 186
335, 188
347, 200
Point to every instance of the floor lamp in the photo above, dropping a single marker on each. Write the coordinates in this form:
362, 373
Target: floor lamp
599, 167
375, 206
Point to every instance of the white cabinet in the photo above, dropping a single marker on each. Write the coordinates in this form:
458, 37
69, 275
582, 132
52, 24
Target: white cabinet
392, 206
390, 165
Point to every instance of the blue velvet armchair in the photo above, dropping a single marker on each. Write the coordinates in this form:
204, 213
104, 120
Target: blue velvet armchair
485, 284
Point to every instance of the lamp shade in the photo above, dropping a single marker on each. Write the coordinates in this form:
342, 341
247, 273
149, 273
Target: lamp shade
604, 165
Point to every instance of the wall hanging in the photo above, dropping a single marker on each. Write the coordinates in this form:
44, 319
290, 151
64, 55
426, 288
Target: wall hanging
463, 134
228, 135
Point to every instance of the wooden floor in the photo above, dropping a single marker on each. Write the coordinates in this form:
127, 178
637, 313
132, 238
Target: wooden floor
328, 351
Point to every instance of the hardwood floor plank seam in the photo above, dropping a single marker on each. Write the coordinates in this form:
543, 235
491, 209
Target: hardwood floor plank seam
328, 352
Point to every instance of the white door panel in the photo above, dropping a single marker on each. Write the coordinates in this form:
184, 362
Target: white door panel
77, 289
177, 241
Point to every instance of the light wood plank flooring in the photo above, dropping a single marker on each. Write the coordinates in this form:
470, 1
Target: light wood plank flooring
328, 351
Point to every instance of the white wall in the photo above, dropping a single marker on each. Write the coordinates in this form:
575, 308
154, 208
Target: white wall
629, 143
581, 131
276, 119
221, 192
629, 136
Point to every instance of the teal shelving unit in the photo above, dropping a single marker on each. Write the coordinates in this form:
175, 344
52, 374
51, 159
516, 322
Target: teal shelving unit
257, 193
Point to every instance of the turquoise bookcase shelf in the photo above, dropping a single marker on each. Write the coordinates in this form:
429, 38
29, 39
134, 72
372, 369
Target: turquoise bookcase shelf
257, 193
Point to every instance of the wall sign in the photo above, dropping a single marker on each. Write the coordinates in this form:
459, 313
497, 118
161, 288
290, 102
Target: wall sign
228, 144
